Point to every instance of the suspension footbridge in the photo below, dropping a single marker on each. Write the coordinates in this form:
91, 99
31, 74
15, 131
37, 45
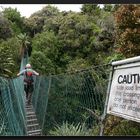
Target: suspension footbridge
56, 99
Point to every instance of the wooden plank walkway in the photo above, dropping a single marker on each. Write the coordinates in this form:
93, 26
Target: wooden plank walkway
33, 128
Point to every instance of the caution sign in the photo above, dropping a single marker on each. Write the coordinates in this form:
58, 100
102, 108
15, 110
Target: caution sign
124, 94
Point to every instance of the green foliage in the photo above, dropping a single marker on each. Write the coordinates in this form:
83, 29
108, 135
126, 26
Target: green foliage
5, 28
34, 24
115, 7
15, 19
12, 14
70, 130
77, 64
114, 57
44, 42
49, 11
69, 35
104, 42
23, 38
48, 44
41, 63
53, 23
91, 9
9, 56
108, 7
75, 34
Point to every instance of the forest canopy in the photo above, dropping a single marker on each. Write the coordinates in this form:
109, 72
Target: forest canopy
59, 42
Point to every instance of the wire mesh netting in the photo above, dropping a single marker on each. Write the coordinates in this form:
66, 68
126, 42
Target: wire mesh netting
12, 105
12, 113
78, 98
72, 98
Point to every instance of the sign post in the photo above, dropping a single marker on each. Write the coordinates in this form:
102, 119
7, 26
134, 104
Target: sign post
124, 94
106, 103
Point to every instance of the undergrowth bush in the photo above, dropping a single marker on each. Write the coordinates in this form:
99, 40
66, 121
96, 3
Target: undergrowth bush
70, 130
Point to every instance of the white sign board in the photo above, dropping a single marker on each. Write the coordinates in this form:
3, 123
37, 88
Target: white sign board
124, 96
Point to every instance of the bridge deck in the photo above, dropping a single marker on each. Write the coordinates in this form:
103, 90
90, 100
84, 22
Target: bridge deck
33, 128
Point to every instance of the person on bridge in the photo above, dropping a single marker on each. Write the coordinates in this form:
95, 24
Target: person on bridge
28, 73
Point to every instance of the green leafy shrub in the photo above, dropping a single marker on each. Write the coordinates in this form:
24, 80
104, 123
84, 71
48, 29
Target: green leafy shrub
70, 130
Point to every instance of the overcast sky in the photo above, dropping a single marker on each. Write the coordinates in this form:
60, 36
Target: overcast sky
28, 9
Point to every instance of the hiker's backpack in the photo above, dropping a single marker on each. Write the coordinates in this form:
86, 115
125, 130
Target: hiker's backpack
29, 77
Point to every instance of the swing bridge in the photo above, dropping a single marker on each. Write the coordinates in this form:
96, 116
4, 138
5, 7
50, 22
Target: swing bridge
70, 97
